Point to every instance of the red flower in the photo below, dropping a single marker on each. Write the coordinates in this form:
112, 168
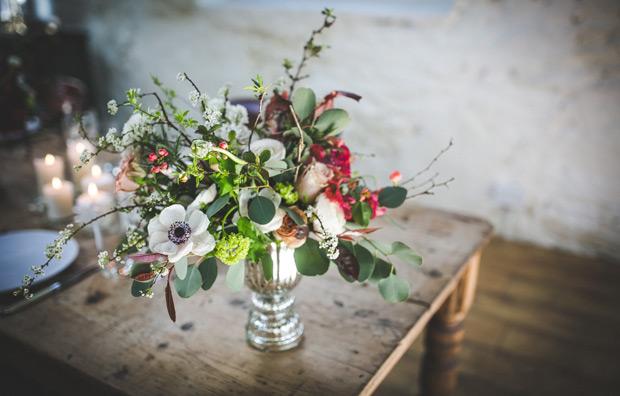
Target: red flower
395, 177
152, 157
332, 192
162, 152
164, 166
155, 169
223, 145
318, 152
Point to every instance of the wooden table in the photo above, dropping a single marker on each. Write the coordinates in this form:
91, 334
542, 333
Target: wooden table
96, 339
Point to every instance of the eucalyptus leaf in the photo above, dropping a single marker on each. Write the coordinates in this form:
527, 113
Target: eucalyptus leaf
344, 276
332, 122
267, 263
374, 246
208, 272
362, 213
406, 254
188, 286
217, 205
261, 210
137, 288
382, 270
235, 277
310, 259
264, 156
276, 167
392, 197
366, 261
304, 102
394, 288
180, 267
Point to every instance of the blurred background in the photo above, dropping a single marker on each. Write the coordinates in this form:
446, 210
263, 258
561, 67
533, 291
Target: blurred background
528, 90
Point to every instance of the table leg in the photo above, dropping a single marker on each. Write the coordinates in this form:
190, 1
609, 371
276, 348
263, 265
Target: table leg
444, 336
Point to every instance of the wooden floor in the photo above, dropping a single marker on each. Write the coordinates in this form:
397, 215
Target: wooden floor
543, 323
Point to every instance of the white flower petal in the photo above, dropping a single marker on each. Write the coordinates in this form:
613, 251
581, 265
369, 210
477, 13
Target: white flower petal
244, 198
275, 147
171, 214
274, 224
197, 221
166, 248
271, 195
204, 197
156, 226
183, 251
203, 243
157, 238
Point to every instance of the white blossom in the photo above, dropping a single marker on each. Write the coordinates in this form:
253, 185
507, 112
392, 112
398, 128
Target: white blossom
112, 107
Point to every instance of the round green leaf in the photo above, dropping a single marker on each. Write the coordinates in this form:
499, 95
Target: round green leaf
208, 272
180, 267
139, 268
366, 261
188, 286
304, 102
394, 288
382, 270
310, 259
392, 197
261, 210
235, 277
406, 254
362, 213
332, 122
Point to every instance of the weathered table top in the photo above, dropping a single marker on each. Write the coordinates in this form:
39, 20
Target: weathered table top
95, 338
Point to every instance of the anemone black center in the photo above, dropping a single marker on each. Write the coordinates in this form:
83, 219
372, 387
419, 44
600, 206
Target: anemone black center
179, 232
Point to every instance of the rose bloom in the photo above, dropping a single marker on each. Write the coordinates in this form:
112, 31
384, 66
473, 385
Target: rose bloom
125, 178
275, 147
291, 233
313, 181
331, 216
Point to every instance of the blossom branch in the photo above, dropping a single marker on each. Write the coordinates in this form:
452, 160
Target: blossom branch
310, 49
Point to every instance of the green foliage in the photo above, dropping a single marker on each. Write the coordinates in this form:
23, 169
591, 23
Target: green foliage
304, 102
267, 264
394, 288
235, 276
208, 272
366, 261
139, 289
406, 254
332, 122
217, 205
392, 197
362, 213
261, 210
188, 286
310, 259
180, 267
382, 270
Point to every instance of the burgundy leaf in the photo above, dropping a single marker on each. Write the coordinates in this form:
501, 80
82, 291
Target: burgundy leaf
347, 263
170, 303
144, 277
146, 257
349, 235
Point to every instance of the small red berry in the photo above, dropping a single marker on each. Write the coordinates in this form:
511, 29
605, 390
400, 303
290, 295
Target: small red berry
223, 145
395, 177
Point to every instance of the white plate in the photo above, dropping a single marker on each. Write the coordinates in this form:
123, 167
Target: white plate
21, 250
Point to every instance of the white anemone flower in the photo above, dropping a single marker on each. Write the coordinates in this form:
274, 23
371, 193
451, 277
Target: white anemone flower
177, 232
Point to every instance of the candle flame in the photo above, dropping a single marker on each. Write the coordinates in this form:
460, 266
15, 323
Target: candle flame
79, 147
56, 183
95, 171
93, 191
50, 160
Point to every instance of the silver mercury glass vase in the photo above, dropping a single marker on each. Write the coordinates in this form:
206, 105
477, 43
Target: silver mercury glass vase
273, 323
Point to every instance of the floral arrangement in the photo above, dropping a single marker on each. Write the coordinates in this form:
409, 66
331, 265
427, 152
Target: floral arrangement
208, 183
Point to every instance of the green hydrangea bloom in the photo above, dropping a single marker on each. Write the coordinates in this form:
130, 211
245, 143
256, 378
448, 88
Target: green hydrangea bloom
232, 248
287, 192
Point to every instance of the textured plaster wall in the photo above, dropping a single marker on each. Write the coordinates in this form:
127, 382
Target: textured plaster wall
528, 90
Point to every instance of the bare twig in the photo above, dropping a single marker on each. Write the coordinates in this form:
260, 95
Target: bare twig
261, 97
429, 190
428, 167
300, 145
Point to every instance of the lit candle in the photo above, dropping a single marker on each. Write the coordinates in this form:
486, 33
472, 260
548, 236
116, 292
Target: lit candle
75, 148
94, 203
46, 169
103, 181
58, 197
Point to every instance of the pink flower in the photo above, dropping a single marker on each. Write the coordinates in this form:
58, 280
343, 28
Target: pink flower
313, 181
152, 157
333, 193
155, 169
395, 177
164, 166
129, 171
223, 145
163, 152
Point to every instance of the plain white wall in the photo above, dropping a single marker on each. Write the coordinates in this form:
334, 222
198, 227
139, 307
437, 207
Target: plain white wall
528, 90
